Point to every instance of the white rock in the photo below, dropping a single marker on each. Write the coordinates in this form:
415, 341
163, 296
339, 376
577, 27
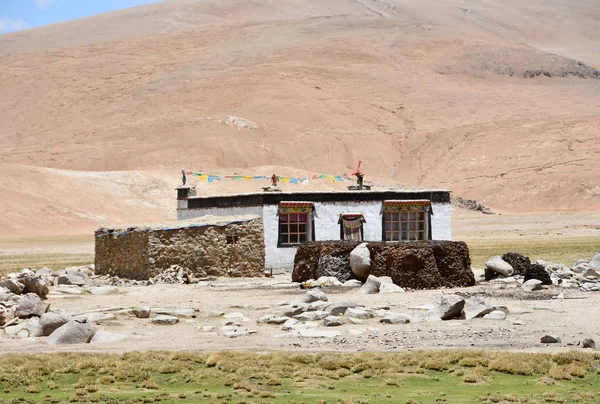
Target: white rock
312, 316
333, 321
476, 307
595, 262
103, 290
371, 286
356, 312
360, 261
495, 315
314, 295
352, 283
177, 312
531, 285
499, 266
390, 288
105, 337
312, 333
395, 318
235, 316
165, 320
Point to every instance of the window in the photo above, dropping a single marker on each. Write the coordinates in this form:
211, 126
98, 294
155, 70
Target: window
405, 220
295, 223
351, 226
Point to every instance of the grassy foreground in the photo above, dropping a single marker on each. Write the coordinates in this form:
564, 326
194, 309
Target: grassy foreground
564, 250
413, 377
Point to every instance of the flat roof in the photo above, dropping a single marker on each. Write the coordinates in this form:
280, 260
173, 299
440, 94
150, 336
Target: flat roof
201, 221
273, 198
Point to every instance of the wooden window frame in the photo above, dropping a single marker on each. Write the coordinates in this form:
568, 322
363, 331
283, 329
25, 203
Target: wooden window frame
406, 220
292, 216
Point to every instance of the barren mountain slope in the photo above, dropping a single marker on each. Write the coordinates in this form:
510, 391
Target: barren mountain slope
461, 95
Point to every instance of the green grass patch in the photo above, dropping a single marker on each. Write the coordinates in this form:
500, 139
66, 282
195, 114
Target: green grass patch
565, 251
226, 377
16, 262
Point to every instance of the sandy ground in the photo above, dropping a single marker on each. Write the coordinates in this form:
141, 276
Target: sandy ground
495, 101
531, 316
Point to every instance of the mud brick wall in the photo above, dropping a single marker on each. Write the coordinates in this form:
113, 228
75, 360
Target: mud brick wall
204, 250
414, 265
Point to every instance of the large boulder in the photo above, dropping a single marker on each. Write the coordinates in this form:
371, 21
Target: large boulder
518, 262
537, 271
450, 307
51, 321
31, 305
496, 266
70, 279
13, 285
476, 307
76, 331
371, 286
360, 261
33, 283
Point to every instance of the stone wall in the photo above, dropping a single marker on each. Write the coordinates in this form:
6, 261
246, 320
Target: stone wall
414, 265
203, 248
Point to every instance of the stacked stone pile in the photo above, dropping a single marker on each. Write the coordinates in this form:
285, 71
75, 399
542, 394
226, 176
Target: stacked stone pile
514, 267
414, 265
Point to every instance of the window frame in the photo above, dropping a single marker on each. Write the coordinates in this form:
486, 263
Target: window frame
415, 212
297, 209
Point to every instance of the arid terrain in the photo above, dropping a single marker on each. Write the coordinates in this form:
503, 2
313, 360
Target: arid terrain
497, 101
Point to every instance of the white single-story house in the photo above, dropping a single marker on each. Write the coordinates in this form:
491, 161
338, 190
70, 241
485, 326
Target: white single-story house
292, 218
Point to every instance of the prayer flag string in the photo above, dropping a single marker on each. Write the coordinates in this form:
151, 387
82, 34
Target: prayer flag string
284, 180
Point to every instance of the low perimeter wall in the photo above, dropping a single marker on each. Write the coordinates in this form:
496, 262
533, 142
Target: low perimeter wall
201, 249
414, 265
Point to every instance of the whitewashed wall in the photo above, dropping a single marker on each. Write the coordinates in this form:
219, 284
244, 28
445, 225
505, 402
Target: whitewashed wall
441, 226
326, 217
183, 214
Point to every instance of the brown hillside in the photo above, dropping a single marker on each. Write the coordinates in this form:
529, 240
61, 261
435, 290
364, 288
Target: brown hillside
497, 101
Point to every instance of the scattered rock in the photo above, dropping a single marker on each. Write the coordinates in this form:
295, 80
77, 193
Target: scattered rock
103, 290
450, 307
595, 263
476, 307
588, 343
339, 308
70, 279
314, 295
537, 271
12, 285
312, 333
495, 315
497, 266
6, 315
371, 286
69, 290
549, 339
352, 283
141, 312
271, 319
188, 312
518, 262
289, 324
98, 317
33, 283
312, 316
236, 316
51, 321
164, 319
105, 337
360, 261
591, 273
531, 285
359, 313
395, 318
333, 321
76, 331
31, 305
